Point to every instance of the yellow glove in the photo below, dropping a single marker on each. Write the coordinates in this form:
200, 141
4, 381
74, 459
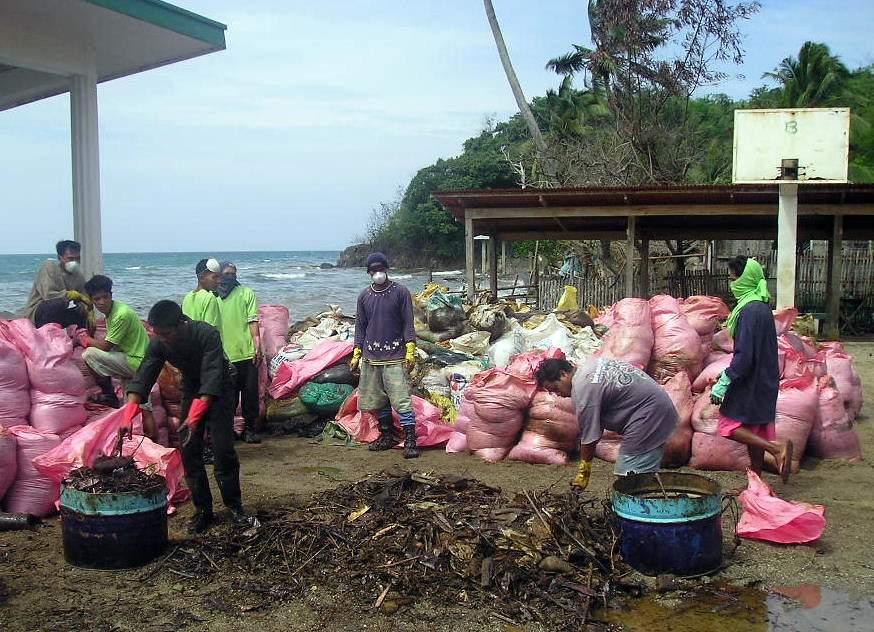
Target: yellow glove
583, 474
356, 358
410, 357
73, 295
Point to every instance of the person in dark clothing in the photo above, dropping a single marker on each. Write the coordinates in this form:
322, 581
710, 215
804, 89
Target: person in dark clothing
747, 389
385, 348
208, 399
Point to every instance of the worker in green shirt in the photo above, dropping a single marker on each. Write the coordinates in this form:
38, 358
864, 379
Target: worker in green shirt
201, 303
120, 354
242, 342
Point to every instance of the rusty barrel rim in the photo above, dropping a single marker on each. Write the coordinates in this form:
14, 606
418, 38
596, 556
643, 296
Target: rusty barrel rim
638, 497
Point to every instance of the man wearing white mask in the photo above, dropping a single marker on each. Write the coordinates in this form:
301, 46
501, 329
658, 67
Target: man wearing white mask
58, 294
385, 346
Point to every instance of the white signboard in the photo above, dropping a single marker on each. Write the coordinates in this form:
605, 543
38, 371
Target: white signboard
819, 138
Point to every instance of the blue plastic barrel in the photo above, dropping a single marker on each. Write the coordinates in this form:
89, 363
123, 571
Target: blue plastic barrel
113, 530
670, 523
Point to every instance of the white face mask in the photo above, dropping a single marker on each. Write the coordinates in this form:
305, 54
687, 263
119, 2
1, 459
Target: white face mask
71, 266
379, 277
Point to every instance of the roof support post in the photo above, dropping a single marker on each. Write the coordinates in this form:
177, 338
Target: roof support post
503, 257
493, 267
86, 171
832, 328
644, 268
629, 256
787, 229
469, 263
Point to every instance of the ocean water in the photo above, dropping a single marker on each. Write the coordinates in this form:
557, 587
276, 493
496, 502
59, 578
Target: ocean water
293, 279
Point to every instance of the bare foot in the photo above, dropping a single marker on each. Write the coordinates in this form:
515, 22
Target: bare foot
785, 461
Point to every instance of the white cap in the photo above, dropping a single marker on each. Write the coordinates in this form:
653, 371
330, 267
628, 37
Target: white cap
213, 265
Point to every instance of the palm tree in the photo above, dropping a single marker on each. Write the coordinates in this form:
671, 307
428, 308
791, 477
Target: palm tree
515, 86
815, 78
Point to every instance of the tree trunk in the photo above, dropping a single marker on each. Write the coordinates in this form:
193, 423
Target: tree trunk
539, 143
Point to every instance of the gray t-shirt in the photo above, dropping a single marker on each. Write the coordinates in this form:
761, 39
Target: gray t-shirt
612, 395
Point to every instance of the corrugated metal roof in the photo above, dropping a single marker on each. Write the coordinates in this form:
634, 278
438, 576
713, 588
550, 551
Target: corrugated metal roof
705, 195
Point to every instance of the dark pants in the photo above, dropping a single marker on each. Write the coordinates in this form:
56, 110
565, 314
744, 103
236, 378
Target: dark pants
226, 469
57, 310
247, 391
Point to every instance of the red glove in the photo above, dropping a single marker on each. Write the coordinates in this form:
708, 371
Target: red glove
83, 338
196, 412
131, 410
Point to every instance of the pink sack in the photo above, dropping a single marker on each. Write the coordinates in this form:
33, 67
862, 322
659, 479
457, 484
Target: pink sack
840, 366
362, 426
607, 449
710, 375
704, 313
551, 432
14, 385
772, 519
525, 364
32, 493
292, 375
705, 416
678, 447
797, 404
272, 326
833, 435
47, 353
56, 412
8, 460
677, 345
458, 439
714, 356
722, 341
534, 448
82, 447
630, 337
499, 401
714, 453
784, 319
89, 378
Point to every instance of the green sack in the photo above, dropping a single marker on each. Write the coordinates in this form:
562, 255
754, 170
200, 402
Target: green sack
439, 299
324, 399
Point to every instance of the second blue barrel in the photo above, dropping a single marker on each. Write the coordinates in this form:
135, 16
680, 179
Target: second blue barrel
670, 523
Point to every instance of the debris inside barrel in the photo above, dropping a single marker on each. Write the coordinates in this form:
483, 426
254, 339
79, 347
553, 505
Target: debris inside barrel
399, 538
117, 475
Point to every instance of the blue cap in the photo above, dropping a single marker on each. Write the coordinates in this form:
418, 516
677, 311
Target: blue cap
374, 259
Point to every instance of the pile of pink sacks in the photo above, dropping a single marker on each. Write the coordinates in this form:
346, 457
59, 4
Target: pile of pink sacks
42, 408
504, 415
820, 396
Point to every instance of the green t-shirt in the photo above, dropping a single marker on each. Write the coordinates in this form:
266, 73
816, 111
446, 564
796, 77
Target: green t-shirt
239, 308
125, 330
203, 305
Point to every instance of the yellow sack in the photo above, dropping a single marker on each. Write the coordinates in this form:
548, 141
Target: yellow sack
568, 300
447, 409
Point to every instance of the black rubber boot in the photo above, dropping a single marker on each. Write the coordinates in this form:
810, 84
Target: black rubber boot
201, 521
387, 436
411, 451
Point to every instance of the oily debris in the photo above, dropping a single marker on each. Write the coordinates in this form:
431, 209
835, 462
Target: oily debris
400, 537
114, 476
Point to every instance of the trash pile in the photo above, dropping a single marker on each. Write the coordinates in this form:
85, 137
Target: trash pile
47, 428
113, 476
398, 537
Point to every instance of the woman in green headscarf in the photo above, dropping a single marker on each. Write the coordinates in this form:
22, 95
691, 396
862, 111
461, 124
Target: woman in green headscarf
747, 389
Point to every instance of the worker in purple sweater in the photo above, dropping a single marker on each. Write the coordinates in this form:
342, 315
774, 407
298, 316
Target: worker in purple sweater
385, 348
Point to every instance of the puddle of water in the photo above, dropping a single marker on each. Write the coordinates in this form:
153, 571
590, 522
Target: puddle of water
732, 609
324, 471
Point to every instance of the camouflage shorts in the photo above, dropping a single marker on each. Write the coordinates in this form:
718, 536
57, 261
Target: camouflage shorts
384, 384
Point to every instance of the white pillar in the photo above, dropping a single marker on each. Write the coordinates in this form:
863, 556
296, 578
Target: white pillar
787, 228
503, 257
469, 259
86, 172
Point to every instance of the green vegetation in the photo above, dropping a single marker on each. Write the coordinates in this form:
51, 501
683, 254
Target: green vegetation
593, 142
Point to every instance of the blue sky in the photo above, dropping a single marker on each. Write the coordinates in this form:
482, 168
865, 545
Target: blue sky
316, 113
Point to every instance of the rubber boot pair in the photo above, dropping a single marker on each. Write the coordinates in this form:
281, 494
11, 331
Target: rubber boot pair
388, 438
